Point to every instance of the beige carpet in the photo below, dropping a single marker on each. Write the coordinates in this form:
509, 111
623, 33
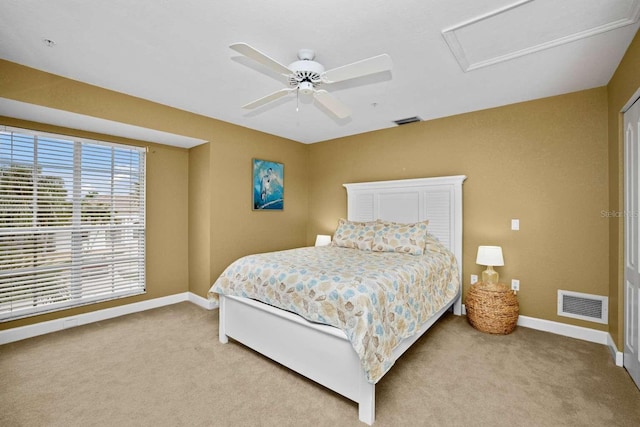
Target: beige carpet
165, 367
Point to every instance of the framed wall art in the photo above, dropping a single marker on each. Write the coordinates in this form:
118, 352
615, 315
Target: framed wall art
268, 185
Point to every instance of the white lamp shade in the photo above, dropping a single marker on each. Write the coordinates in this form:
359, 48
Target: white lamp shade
323, 240
490, 255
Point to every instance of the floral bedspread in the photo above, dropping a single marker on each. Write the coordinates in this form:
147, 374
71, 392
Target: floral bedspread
376, 298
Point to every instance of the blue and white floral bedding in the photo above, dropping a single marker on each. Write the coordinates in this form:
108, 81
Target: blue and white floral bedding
376, 298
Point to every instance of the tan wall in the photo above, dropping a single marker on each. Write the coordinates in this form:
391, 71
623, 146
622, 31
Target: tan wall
550, 172
199, 218
167, 221
622, 86
544, 162
181, 256
237, 229
223, 180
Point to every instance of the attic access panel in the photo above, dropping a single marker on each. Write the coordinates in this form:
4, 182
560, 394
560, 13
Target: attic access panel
529, 26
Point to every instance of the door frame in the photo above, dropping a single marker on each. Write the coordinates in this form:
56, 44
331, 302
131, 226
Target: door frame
635, 98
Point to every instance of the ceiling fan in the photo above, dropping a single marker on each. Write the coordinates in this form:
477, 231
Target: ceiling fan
305, 75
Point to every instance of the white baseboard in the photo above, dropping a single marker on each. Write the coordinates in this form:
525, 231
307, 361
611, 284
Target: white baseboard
617, 356
203, 302
29, 331
579, 332
572, 331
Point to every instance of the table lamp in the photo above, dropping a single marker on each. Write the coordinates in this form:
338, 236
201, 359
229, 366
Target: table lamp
490, 256
323, 240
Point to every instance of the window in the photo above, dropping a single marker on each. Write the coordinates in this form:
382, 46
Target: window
72, 222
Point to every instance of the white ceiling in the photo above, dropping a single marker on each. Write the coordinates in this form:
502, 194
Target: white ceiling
449, 56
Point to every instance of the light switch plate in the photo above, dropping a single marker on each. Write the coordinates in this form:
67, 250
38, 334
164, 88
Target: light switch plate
515, 224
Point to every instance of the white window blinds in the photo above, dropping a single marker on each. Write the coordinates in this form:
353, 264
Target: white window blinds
72, 222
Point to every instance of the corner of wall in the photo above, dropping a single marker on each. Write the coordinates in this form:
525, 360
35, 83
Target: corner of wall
621, 88
199, 219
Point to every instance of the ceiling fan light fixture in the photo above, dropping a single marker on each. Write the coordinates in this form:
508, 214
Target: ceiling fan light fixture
306, 88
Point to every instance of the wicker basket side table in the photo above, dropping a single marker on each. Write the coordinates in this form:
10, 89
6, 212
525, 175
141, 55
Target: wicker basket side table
492, 308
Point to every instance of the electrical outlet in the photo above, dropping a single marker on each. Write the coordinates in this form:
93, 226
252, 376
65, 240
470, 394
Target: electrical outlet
515, 285
474, 279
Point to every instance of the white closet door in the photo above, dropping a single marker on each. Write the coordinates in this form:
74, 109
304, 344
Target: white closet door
631, 244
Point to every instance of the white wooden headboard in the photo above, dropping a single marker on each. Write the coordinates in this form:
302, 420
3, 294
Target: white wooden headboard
437, 199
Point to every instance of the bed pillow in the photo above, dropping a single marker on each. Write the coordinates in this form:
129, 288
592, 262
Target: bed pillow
404, 238
355, 235
433, 244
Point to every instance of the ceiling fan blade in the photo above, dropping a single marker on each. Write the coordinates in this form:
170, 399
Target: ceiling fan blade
375, 64
266, 99
256, 55
332, 104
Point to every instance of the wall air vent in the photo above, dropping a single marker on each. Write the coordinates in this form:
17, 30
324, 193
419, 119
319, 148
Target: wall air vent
593, 308
407, 120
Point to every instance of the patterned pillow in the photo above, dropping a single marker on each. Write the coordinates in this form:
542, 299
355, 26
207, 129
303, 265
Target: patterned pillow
355, 235
403, 238
433, 244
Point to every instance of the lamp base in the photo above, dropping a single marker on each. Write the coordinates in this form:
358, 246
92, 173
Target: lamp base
490, 276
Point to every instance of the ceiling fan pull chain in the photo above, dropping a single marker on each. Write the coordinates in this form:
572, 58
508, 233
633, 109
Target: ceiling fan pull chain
297, 100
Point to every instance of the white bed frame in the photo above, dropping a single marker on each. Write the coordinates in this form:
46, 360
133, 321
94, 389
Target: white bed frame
323, 353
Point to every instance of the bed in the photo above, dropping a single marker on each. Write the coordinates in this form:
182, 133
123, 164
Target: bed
330, 355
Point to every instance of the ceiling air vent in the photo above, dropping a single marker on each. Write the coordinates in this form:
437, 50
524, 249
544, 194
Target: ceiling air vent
407, 120
583, 306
